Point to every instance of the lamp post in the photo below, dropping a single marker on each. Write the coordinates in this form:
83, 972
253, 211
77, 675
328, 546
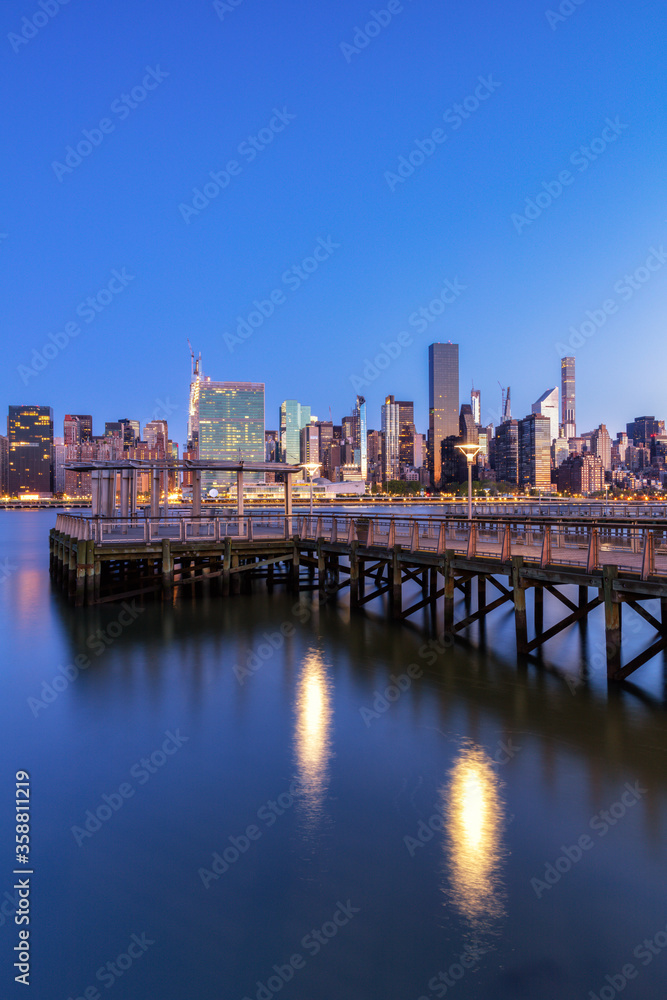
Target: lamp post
470, 452
311, 468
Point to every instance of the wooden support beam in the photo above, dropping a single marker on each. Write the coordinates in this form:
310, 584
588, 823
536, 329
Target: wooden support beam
647, 616
562, 598
396, 582
538, 597
520, 621
612, 621
376, 593
422, 604
354, 576
296, 567
481, 613
167, 566
639, 661
569, 620
449, 593
321, 565
81, 564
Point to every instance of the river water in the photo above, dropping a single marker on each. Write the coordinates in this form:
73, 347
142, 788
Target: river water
261, 797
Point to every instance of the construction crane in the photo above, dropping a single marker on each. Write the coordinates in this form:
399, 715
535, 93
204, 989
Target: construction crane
504, 403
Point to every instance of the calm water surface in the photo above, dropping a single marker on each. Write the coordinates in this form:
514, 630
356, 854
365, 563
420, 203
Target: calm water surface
279, 799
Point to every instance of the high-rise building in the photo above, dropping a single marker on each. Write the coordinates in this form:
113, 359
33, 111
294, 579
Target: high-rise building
443, 401
359, 434
4, 464
567, 397
294, 416
390, 432
506, 451
476, 403
30, 433
581, 474
59, 458
78, 428
310, 443
467, 426
535, 451
226, 424
131, 431
547, 405
156, 436
601, 445
642, 429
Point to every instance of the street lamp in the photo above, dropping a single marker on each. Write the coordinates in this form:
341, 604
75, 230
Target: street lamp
311, 468
470, 452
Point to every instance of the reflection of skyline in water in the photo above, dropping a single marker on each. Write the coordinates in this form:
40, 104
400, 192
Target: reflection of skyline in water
473, 813
312, 736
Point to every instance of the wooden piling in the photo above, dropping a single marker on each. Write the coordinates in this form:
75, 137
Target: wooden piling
167, 566
612, 621
519, 594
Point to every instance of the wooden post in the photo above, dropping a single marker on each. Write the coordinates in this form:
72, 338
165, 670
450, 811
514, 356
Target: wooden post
167, 566
90, 572
538, 591
226, 565
296, 567
235, 577
449, 594
612, 621
481, 592
81, 561
71, 574
396, 583
362, 577
519, 594
354, 575
321, 567
583, 597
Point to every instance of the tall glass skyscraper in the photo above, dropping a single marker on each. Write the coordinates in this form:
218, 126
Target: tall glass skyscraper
226, 421
568, 410
30, 433
443, 401
294, 416
391, 430
360, 440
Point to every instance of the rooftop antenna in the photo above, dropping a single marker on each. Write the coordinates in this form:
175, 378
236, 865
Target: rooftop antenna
194, 364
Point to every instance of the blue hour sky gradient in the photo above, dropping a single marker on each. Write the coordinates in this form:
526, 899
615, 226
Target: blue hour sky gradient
331, 127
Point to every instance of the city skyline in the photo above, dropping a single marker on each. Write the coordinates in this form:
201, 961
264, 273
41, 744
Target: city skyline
477, 241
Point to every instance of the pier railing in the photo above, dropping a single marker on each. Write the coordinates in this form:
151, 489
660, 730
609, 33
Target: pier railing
629, 545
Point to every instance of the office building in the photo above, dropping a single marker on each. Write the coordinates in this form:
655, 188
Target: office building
547, 405
506, 452
535, 451
30, 436
581, 474
294, 416
310, 443
390, 432
567, 397
476, 404
642, 429
359, 435
226, 424
4, 464
443, 401
77, 428
601, 445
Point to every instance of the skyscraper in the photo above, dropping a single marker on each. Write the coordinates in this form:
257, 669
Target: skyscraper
294, 417
443, 401
359, 430
568, 410
535, 451
30, 433
390, 432
476, 403
547, 405
226, 424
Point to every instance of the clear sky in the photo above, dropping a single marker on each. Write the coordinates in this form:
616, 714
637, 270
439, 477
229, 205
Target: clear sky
315, 111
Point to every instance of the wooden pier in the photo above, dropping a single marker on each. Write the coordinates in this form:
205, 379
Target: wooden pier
612, 562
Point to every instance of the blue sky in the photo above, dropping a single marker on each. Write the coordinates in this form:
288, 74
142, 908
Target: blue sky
331, 124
